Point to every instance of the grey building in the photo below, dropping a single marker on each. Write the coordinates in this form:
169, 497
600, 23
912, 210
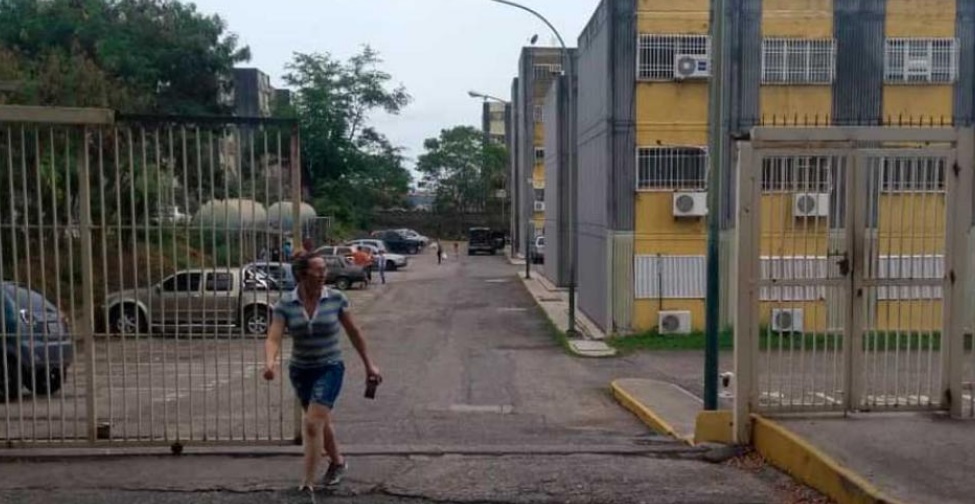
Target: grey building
253, 94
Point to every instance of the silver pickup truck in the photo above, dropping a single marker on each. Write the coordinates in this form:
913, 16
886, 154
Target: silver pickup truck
196, 299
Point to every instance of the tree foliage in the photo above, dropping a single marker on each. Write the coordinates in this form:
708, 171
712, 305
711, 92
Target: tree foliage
463, 169
353, 168
148, 56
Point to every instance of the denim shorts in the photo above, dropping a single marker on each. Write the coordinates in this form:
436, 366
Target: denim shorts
319, 385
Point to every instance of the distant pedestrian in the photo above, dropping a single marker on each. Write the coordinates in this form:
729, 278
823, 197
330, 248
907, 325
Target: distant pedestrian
381, 259
308, 244
456, 253
439, 252
275, 254
286, 249
262, 255
313, 314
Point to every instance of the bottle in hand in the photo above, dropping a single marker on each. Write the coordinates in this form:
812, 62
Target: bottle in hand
371, 385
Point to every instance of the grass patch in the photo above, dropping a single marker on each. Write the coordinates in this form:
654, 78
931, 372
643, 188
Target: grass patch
652, 340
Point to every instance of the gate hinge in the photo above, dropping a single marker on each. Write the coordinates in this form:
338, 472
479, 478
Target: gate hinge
956, 168
951, 277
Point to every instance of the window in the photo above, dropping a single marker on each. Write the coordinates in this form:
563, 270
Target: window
798, 61
538, 113
909, 61
539, 155
546, 71
219, 282
672, 168
798, 174
183, 282
496, 116
656, 54
539, 194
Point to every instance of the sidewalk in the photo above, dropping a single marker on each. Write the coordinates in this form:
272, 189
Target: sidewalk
554, 301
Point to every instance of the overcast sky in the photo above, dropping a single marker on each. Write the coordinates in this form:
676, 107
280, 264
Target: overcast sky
438, 49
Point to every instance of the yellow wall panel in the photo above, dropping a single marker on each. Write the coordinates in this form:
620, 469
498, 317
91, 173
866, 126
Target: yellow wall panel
797, 18
678, 103
911, 224
908, 315
669, 16
784, 235
663, 134
791, 103
645, 312
539, 135
920, 18
538, 172
922, 103
657, 231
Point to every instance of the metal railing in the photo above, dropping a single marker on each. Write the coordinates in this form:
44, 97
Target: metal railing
134, 310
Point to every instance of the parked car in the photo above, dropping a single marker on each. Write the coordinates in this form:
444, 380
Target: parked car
393, 261
398, 242
479, 240
343, 251
538, 250
340, 274
498, 237
218, 298
38, 344
409, 233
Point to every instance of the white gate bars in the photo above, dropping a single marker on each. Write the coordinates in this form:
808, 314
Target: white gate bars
134, 258
852, 271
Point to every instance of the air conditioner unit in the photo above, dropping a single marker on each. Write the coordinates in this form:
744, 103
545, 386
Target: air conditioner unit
691, 66
674, 322
810, 205
690, 204
787, 320
539, 206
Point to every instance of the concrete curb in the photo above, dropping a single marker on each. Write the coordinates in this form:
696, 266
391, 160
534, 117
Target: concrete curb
645, 414
803, 461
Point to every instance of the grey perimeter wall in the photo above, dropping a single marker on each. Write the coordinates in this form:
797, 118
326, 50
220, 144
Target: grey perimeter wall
607, 82
556, 117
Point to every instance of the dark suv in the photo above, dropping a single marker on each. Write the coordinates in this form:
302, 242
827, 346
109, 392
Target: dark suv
480, 239
37, 343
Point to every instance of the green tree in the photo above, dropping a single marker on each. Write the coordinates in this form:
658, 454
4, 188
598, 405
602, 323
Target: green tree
463, 169
353, 168
147, 56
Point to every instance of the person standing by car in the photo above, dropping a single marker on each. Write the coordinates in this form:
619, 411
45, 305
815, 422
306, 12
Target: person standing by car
381, 260
312, 314
362, 259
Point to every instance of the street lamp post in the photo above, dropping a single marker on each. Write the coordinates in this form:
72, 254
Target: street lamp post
573, 234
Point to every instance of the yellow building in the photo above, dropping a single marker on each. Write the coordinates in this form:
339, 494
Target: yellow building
792, 63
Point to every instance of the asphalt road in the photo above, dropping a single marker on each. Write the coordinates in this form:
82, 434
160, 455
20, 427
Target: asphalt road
479, 404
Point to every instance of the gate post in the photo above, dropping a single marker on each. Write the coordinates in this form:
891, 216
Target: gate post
87, 284
296, 239
959, 184
745, 279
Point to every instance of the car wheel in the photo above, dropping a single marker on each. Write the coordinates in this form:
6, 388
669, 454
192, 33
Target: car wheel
256, 320
414, 250
127, 319
343, 284
45, 381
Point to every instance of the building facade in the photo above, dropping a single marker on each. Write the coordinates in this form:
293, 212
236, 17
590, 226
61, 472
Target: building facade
538, 67
559, 148
644, 72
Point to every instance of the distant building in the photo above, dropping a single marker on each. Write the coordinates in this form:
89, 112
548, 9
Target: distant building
253, 94
422, 200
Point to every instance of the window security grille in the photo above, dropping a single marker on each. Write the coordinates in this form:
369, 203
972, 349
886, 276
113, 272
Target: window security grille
656, 53
920, 61
798, 61
672, 168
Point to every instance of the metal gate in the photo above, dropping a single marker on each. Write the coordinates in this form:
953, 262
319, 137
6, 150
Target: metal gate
136, 256
851, 270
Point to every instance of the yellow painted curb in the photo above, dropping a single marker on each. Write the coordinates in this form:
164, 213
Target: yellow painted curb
645, 414
714, 427
794, 455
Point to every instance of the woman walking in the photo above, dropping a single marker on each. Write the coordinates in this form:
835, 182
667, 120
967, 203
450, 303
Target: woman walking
313, 314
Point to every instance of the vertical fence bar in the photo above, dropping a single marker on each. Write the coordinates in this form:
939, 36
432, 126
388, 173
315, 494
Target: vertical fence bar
747, 316
958, 221
87, 281
295, 166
